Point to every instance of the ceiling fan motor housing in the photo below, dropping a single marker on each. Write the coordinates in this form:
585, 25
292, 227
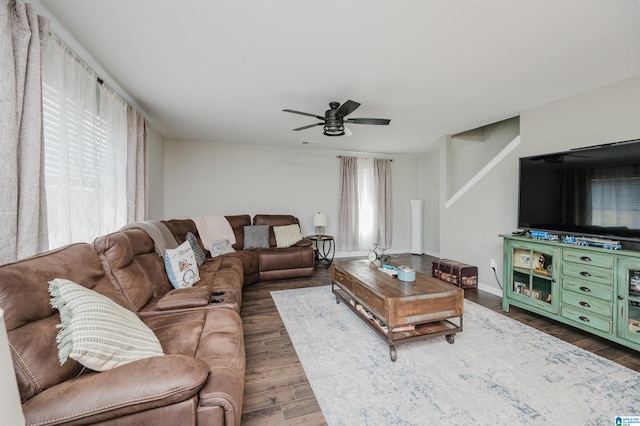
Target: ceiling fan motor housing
333, 122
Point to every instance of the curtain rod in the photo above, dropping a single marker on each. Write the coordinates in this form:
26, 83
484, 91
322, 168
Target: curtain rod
366, 158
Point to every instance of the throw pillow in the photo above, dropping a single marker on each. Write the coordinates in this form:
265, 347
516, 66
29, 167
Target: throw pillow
256, 236
97, 332
197, 250
219, 247
287, 235
181, 266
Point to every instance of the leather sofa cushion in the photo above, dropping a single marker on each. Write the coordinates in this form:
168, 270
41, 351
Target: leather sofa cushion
274, 220
132, 388
30, 319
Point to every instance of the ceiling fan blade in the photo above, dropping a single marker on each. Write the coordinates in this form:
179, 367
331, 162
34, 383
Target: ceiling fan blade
347, 132
309, 126
304, 113
379, 121
347, 107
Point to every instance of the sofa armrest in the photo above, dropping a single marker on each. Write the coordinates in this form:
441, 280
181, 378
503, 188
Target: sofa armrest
305, 242
138, 386
182, 298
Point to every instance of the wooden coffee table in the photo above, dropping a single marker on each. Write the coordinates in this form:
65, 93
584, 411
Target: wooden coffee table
398, 311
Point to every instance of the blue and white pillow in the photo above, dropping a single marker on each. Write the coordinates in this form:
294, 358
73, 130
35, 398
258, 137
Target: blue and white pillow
181, 266
219, 247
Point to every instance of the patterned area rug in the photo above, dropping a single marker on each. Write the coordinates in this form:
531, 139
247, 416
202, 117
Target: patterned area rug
497, 372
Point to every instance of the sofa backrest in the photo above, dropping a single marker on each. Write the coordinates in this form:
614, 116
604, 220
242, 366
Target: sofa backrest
274, 220
180, 228
131, 262
31, 321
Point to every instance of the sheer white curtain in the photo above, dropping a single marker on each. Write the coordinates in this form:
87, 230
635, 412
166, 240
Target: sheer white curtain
85, 129
23, 222
365, 208
348, 215
382, 204
366, 198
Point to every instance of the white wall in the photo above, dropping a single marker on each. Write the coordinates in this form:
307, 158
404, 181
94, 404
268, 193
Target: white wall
469, 229
155, 144
203, 178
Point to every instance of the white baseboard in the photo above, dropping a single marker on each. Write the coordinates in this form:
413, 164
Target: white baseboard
490, 289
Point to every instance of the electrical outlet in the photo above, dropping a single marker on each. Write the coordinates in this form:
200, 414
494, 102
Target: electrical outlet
493, 264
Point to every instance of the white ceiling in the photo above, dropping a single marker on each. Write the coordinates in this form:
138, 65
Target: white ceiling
223, 70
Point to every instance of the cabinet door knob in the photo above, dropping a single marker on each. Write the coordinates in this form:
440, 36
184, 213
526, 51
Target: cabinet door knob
585, 304
583, 319
620, 297
585, 289
585, 274
585, 259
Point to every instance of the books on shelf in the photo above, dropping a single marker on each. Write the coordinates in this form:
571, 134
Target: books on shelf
381, 325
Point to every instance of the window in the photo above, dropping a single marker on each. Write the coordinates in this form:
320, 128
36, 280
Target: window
85, 135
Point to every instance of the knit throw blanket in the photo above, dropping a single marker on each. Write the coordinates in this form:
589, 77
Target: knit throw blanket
159, 233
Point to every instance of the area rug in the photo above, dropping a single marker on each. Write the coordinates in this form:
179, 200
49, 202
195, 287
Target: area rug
498, 371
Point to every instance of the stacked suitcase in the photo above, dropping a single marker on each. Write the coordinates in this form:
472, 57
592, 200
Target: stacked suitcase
458, 273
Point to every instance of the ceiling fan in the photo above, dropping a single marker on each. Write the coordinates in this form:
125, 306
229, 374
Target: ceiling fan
334, 118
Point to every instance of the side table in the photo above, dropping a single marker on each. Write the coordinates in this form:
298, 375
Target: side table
325, 248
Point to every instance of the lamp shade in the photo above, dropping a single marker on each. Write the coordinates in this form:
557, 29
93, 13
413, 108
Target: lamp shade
319, 219
10, 406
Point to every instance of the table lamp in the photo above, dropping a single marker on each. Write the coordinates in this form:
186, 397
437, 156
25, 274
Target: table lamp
10, 406
319, 221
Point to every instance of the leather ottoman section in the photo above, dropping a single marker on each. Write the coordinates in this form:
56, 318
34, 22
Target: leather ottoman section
221, 346
284, 274
250, 264
216, 337
273, 259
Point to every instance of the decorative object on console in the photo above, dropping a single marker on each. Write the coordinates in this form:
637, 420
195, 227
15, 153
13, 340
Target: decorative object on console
220, 247
181, 266
319, 221
10, 406
406, 273
256, 236
287, 235
97, 332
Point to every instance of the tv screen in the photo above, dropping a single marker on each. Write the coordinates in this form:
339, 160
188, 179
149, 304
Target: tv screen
592, 191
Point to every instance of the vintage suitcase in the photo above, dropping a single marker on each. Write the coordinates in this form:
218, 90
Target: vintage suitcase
458, 273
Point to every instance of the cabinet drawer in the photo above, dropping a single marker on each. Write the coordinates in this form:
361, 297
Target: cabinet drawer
590, 289
587, 303
588, 258
343, 280
587, 319
371, 300
588, 273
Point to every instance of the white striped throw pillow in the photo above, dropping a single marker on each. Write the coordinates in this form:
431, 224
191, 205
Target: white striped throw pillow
97, 332
287, 235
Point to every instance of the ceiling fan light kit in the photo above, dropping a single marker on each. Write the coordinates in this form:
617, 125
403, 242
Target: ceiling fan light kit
333, 120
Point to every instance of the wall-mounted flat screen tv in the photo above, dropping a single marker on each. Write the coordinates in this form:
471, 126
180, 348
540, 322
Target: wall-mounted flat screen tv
591, 191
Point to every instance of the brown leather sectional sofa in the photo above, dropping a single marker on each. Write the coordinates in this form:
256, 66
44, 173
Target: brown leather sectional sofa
199, 380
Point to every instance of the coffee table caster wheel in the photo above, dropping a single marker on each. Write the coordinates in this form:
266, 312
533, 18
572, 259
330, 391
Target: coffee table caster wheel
393, 353
451, 338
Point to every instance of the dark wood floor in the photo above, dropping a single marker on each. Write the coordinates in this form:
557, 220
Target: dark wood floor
277, 391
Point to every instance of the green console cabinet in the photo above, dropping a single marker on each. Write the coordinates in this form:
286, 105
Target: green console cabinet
594, 289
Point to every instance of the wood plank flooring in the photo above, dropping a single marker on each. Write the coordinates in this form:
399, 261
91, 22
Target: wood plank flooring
277, 391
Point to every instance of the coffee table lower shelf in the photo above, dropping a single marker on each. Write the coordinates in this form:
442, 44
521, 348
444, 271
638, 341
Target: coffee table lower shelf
425, 330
